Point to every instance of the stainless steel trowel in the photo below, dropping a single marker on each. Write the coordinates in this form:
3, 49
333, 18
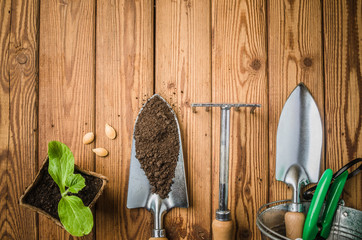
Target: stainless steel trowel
298, 153
139, 188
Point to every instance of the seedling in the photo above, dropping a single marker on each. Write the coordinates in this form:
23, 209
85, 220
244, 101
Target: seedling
76, 218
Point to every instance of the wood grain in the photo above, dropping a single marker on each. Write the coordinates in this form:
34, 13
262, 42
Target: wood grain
183, 76
5, 15
343, 89
66, 85
124, 71
239, 57
295, 55
23, 114
97, 64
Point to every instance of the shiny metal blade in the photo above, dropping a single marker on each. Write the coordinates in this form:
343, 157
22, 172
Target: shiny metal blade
138, 184
139, 189
299, 138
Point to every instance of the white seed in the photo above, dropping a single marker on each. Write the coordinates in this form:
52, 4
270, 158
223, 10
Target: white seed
110, 132
100, 152
88, 138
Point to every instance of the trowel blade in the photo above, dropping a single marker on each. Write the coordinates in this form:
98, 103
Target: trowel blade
299, 137
139, 188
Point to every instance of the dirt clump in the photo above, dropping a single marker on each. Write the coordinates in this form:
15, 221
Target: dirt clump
157, 144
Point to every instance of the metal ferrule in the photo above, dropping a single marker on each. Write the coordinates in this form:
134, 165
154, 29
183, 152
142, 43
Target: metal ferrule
223, 215
158, 233
295, 207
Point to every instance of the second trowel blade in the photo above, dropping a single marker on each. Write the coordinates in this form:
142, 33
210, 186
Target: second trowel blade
139, 188
299, 138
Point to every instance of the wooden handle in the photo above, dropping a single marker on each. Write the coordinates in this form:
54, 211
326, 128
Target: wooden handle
158, 238
222, 230
294, 223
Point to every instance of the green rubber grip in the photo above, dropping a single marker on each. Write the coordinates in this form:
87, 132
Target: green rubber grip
310, 229
332, 203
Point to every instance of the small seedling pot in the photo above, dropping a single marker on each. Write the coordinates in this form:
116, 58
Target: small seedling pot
43, 194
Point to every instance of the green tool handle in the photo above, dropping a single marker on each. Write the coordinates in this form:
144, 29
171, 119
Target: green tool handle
310, 229
332, 203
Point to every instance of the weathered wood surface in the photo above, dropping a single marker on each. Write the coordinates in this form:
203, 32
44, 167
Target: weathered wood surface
100, 60
66, 85
124, 81
239, 75
19, 116
183, 76
295, 55
5, 8
343, 89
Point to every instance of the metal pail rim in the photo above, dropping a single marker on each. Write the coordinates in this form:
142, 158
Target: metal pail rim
344, 223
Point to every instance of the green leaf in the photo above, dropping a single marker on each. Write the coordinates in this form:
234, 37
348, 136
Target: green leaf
76, 218
61, 163
75, 183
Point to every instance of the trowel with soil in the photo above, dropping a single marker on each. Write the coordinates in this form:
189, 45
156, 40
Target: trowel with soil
157, 175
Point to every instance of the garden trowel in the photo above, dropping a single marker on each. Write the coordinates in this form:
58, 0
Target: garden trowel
139, 189
298, 152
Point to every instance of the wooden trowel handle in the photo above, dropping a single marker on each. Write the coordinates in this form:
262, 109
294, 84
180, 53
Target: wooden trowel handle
222, 230
158, 238
294, 223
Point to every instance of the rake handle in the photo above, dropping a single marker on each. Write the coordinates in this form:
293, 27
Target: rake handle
222, 230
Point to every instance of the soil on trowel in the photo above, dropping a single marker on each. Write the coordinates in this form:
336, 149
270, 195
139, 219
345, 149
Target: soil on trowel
45, 194
157, 145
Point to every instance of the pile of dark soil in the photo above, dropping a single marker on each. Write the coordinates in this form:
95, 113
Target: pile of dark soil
45, 194
157, 145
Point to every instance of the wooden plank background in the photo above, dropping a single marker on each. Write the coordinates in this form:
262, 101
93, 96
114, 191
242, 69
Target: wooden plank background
295, 55
68, 67
239, 74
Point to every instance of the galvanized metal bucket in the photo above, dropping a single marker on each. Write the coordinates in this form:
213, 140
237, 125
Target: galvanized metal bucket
347, 223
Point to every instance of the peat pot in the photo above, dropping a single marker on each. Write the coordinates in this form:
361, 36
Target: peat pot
43, 194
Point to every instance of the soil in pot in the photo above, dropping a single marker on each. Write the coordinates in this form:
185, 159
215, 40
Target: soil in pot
157, 145
45, 195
